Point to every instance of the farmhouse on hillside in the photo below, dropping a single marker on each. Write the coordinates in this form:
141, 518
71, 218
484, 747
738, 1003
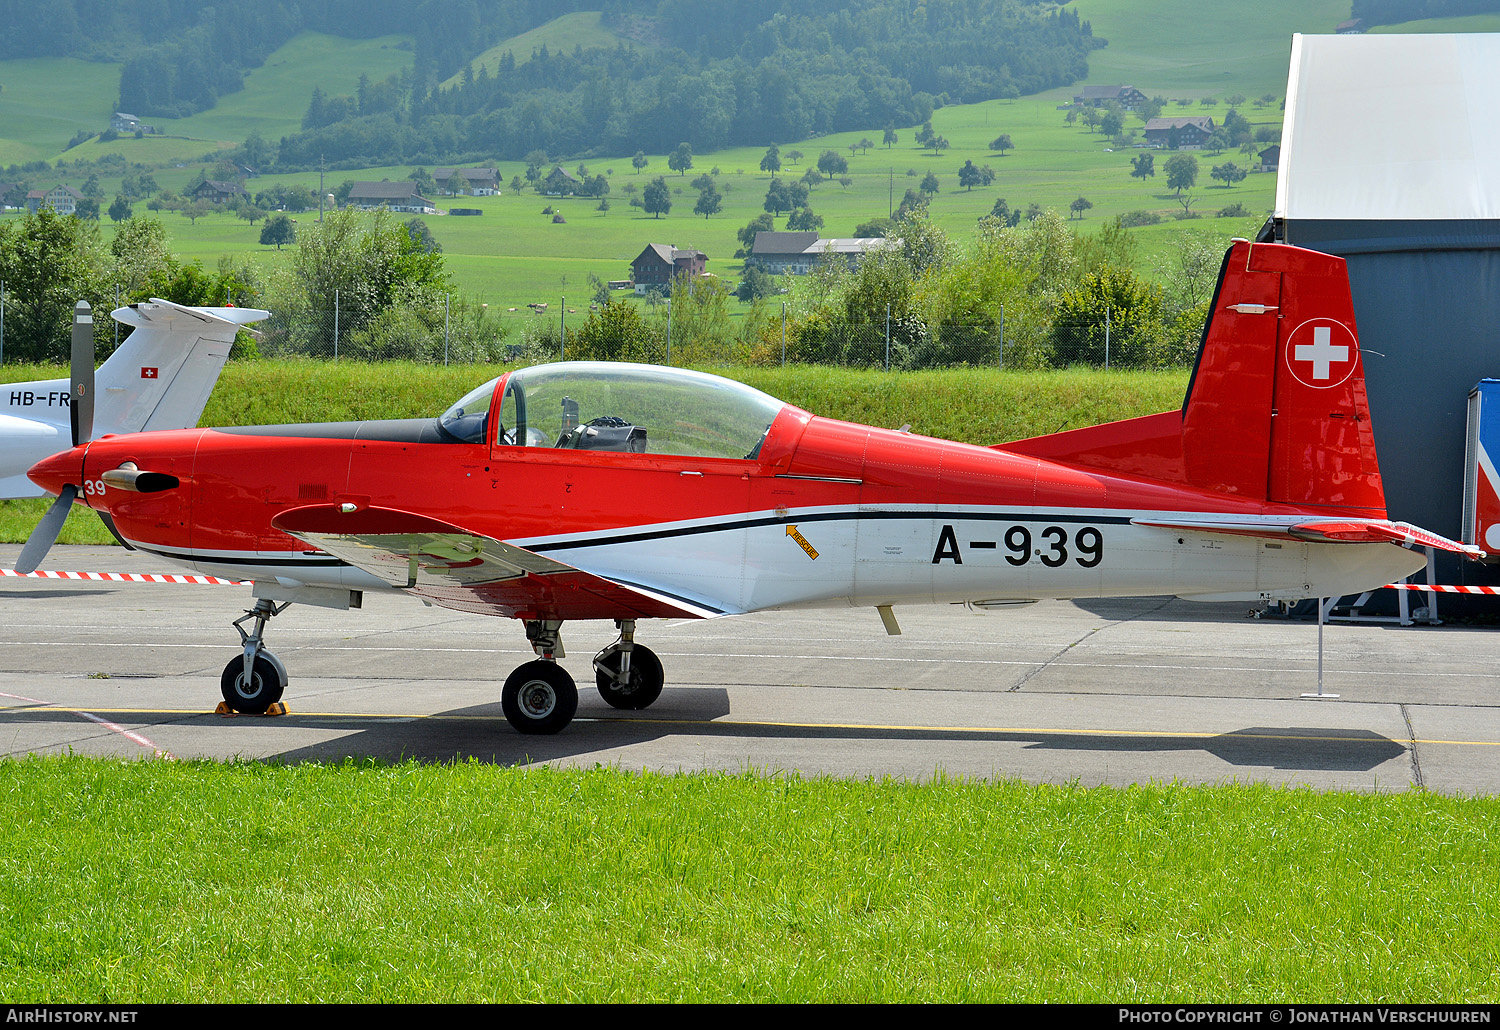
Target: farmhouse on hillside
1097, 96
61, 198
776, 253
655, 266
398, 196
1189, 133
478, 182
217, 192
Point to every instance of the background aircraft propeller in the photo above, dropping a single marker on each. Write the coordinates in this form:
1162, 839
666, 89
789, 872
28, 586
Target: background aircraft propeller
81, 416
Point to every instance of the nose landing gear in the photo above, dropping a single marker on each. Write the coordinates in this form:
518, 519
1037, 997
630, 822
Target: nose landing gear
254, 681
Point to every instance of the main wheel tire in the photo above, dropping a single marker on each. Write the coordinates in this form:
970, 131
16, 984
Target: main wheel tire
263, 689
646, 678
539, 697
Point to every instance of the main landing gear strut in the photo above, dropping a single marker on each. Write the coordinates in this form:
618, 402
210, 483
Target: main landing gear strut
541, 697
254, 681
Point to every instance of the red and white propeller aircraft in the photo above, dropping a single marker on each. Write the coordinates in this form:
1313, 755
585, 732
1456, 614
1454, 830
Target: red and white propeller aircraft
628, 492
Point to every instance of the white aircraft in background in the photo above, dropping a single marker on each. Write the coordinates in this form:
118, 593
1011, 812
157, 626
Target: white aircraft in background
159, 378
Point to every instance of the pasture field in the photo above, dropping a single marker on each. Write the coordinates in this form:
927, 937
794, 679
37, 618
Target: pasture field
978, 406
1202, 47
514, 254
130, 882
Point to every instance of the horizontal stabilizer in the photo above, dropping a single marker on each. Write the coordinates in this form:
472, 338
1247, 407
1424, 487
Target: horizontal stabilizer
1324, 531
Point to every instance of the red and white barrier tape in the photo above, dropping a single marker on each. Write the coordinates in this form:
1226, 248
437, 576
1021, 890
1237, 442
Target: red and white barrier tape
1442, 588
129, 577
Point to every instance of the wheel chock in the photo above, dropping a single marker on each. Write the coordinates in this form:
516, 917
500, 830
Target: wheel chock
277, 708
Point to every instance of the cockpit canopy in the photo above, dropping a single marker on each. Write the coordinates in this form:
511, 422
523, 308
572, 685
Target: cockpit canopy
622, 407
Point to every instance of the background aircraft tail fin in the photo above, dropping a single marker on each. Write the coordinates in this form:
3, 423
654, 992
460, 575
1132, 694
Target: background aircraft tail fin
1276, 409
161, 376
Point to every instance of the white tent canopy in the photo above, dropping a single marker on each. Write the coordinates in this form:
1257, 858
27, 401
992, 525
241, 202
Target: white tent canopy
1391, 127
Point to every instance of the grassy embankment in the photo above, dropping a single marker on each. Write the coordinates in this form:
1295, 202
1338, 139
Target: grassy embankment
157, 882
974, 405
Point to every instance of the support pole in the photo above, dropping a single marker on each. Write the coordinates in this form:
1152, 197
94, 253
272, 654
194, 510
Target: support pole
1320, 696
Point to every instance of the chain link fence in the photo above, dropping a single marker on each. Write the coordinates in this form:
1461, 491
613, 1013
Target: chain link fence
439, 334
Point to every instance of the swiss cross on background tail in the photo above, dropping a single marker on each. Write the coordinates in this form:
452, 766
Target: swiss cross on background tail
1321, 353
148, 373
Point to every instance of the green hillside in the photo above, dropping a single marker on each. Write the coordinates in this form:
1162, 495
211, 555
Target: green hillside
1202, 47
560, 34
45, 101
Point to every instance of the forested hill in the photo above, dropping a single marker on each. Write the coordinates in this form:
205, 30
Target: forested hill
709, 72
719, 73
180, 56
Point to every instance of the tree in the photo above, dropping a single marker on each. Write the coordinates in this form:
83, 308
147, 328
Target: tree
803, 220
971, 175
778, 198
1079, 206
1182, 172
278, 230
639, 161
251, 213
1111, 123
708, 201
889, 138
426, 186
758, 224
772, 161
832, 163
657, 197
930, 184
937, 143
681, 159
1143, 166
756, 285
47, 262
794, 156
119, 210
1134, 313
864, 144
1002, 143
1228, 173
422, 237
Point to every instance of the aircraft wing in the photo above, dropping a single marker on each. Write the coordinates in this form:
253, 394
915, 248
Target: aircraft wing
1329, 531
467, 571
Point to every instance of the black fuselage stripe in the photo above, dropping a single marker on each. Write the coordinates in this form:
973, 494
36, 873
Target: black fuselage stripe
797, 520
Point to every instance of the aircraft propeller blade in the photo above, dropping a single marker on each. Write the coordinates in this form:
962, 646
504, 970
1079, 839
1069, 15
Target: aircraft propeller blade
46, 532
81, 405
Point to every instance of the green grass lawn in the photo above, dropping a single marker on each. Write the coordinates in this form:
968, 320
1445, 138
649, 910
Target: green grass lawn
130, 882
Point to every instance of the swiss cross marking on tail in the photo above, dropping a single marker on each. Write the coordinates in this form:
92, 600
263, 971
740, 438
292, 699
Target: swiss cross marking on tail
148, 373
1321, 353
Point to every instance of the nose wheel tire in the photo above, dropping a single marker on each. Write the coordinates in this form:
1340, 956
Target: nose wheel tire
539, 697
646, 678
263, 689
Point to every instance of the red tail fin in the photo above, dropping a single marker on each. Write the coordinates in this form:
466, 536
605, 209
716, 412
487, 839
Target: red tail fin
1276, 409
